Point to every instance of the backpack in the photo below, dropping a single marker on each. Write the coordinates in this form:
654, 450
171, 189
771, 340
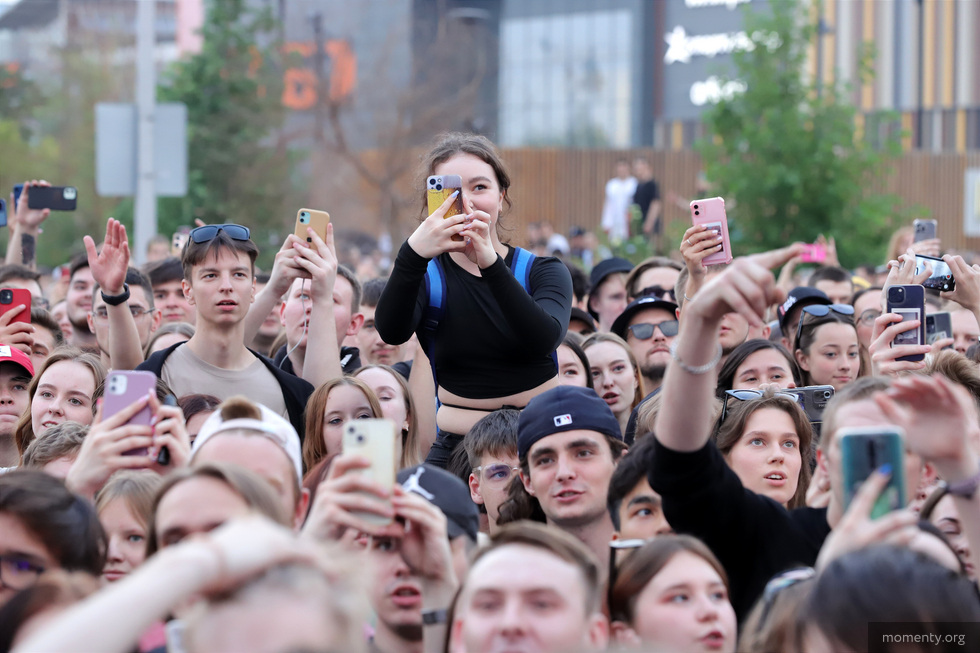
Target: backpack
435, 288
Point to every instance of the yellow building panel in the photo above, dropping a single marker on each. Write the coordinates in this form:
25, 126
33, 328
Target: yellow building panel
949, 57
929, 53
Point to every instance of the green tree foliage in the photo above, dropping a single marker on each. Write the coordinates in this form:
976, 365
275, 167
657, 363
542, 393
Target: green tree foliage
232, 89
786, 151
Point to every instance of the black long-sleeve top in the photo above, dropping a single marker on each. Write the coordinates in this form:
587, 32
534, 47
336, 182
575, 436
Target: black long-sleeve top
495, 339
753, 536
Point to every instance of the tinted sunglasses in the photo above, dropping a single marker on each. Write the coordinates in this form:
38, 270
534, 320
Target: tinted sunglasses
644, 330
210, 232
656, 291
821, 310
749, 395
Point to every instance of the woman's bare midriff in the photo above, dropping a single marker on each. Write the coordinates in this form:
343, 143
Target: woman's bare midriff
465, 412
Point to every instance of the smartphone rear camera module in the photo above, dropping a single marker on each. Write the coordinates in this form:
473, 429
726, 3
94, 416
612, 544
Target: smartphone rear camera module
70, 193
304, 217
896, 295
6, 296
827, 394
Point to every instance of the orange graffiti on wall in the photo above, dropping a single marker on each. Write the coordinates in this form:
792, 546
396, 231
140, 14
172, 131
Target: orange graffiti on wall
301, 90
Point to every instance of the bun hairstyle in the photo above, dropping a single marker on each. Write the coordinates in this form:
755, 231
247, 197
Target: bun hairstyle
239, 407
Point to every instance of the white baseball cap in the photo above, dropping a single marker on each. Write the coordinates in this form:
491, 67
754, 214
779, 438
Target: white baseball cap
272, 426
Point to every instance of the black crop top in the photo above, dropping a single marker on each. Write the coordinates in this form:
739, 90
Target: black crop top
495, 339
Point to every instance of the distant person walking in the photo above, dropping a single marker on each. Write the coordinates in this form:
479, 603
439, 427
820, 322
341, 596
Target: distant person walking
647, 198
619, 197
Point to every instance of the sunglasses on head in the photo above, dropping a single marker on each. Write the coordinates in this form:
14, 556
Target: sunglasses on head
210, 232
615, 560
749, 395
821, 310
644, 330
779, 583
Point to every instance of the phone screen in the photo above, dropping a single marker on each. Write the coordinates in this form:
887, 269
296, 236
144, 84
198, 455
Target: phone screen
941, 277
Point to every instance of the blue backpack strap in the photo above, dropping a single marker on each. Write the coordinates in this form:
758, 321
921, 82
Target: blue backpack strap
520, 265
435, 309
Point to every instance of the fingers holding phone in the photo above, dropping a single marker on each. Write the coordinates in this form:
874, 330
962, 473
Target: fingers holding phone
893, 348
436, 233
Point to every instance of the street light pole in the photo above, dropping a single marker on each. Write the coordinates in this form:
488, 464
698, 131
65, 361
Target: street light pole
145, 218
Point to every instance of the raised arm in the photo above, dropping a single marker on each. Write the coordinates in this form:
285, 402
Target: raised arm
26, 225
746, 287
285, 270
322, 361
109, 268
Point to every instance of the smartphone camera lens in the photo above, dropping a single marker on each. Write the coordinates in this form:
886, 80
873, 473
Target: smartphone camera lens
697, 213
695, 207
6, 296
826, 394
438, 186
360, 439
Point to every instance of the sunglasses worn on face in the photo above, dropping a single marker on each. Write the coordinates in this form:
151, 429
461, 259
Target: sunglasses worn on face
656, 291
749, 395
821, 310
644, 330
210, 232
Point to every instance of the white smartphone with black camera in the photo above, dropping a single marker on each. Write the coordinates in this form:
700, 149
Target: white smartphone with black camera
375, 440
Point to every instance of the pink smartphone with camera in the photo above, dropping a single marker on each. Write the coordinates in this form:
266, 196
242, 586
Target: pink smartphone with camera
813, 253
711, 213
122, 389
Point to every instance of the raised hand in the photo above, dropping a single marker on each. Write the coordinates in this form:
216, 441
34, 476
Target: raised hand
110, 264
318, 261
25, 217
435, 235
884, 355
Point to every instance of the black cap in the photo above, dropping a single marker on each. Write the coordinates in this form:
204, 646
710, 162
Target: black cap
606, 267
579, 314
800, 296
447, 493
565, 408
642, 304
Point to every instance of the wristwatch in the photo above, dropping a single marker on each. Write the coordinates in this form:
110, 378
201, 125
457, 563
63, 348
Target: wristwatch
434, 617
966, 488
116, 300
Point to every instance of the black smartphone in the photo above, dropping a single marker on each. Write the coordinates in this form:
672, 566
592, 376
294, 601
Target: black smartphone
909, 302
813, 399
3, 212
941, 277
18, 189
938, 326
56, 198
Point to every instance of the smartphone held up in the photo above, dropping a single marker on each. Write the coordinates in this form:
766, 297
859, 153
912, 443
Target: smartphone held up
438, 188
710, 212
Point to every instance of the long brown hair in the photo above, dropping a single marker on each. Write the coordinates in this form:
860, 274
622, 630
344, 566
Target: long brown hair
24, 431
452, 144
640, 392
313, 446
731, 430
411, 453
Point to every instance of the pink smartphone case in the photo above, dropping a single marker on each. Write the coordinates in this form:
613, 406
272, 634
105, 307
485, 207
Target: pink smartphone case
711, 211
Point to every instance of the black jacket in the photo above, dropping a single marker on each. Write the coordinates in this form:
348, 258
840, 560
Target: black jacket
295, 391
754, 537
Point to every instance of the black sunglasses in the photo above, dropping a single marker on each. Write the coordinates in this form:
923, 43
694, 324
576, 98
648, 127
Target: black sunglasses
644, 330
749, 395
821, 310
210, 232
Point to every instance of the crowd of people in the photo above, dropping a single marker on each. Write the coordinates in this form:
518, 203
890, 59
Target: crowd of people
591, 459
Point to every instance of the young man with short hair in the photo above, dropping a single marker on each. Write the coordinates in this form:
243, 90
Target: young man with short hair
833, 281
219, 264
533, 589
491, 449
166, 276
78, 302
568, 444
636, 510
142, 311
374, 350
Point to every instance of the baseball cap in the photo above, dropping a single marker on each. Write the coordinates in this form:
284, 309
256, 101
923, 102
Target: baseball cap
642, 304
446, 492
565, 408
10, 354
800, 296
271, 426
579, 314
606, 267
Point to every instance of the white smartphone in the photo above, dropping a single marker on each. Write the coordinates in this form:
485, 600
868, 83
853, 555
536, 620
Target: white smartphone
375, 440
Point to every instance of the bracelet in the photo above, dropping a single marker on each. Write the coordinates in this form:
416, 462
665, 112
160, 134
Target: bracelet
116, 300
691, 369
435, 617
